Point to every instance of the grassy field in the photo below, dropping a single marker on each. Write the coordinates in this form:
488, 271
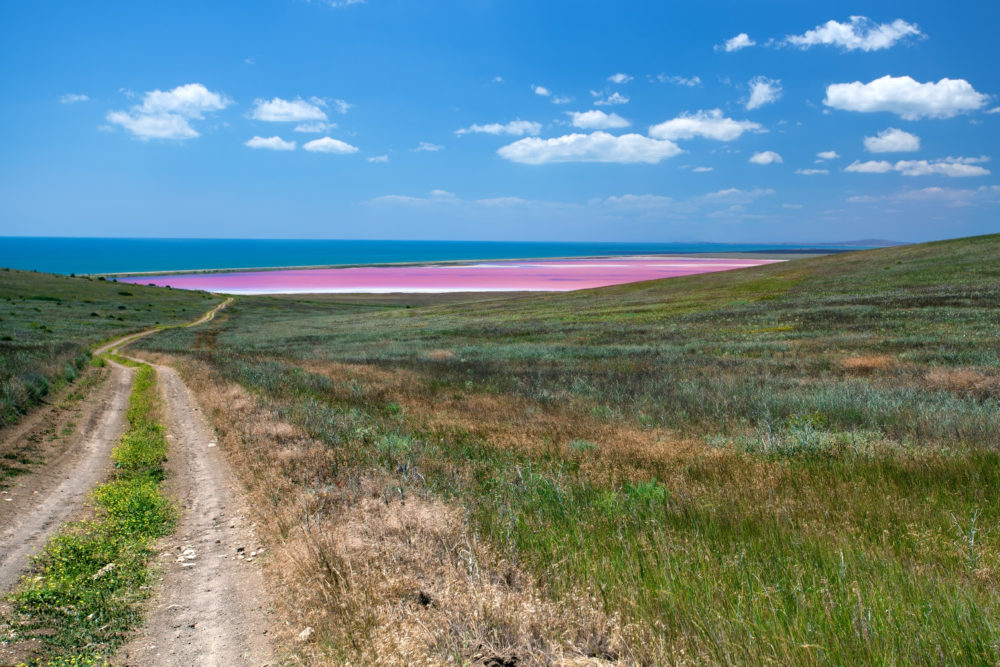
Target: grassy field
81, 601
48, 324
795, 463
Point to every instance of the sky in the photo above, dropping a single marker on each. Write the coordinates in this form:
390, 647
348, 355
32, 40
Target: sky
500, 120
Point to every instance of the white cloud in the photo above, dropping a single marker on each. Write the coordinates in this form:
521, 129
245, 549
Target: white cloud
315, 127
518, 128
892, 140
763, 91
827, 155
709, 124
765, 157
594, 147
955, 167
329, 145
869, 167
812, 172
541, 90
619, 78
740, 41
612, 99
562, 99
271, 143
861, 33
993, 110
738, 196
989, 194
426, 146
190, 100
906, 97
378, 158
162, 126
278, 110
73, 98
702, 170
166, 114
597, 120
497, 79
341, 106
690, 82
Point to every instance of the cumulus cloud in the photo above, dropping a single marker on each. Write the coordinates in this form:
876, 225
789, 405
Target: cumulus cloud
765, 157
907, 97
278, 110
859, 33
271, 143
518, 128
956, 167
329, 145
608, 100
812, 172
315, 127
73, 98
428, 147
703, 170
594, 147
690, 82
163, 126
709, 124
763, 91
827, 155
541, 90
892, 140
619, 78
167, 114
597, 120
740, 41
869, 167
378, 158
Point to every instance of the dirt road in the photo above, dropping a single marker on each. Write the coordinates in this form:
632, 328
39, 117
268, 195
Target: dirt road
209, 608
37, 503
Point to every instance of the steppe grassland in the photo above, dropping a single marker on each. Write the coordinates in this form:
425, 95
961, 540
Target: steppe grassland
795, 463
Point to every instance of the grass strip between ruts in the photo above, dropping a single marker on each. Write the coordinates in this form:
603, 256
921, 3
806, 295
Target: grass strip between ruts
81, 601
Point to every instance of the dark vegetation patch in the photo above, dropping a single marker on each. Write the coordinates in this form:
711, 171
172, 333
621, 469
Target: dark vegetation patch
50, 322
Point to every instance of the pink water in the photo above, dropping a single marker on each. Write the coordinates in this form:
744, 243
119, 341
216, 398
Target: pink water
556, 275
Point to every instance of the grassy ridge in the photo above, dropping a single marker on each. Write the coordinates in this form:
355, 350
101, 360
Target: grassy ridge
794, 463
48, 324
83, 598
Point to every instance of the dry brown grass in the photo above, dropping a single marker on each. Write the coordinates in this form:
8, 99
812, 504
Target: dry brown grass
516, 423
963, 381
383, 573
869, 363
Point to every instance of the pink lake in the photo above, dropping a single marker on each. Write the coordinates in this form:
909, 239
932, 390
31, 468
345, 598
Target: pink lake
551, 275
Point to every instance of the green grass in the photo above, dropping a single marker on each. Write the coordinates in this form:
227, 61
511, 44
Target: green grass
48, 324
830, 512
82, 599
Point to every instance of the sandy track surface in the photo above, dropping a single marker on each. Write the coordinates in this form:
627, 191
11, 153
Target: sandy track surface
210, 607
37, 503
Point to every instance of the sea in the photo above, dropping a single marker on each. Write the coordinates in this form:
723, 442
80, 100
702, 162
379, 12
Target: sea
144, 255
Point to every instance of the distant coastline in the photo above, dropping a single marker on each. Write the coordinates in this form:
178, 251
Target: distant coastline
123, 256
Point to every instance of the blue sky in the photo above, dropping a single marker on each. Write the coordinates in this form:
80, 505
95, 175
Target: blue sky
500, 120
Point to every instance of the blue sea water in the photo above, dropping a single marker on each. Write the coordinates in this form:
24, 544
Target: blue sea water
118, 255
